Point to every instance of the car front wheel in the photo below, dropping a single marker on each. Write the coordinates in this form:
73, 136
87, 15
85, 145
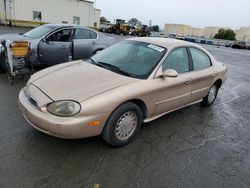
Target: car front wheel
122, 124
211, 96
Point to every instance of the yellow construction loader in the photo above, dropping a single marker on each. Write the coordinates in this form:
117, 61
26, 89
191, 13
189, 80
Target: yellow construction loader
119, 27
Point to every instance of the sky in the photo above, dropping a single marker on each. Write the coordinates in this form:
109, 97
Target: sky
197, 13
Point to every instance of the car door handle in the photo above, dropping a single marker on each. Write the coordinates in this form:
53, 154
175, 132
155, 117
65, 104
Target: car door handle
188, 82
213, 75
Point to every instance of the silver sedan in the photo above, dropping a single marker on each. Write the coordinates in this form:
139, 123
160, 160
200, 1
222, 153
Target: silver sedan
57, 43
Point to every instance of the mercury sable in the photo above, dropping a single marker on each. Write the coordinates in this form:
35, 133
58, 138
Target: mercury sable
112, 93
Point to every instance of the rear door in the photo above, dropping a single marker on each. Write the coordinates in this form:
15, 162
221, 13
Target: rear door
202, 74
84, 42
56, 47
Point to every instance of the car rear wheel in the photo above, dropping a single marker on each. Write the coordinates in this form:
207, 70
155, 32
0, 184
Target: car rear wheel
3, 67
211, 96
122, 124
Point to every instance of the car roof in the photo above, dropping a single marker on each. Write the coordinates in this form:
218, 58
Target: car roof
164, 42
58, 26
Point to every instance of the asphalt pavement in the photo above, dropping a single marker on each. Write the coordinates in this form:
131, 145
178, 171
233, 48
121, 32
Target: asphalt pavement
191, 147
13, 29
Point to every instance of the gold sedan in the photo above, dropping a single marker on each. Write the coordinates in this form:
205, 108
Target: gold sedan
112, 93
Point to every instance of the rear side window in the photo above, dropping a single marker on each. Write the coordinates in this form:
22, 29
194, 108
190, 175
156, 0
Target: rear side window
200, 59
82, 34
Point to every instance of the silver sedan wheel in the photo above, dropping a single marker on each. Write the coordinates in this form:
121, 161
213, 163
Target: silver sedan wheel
212, 93
126, 125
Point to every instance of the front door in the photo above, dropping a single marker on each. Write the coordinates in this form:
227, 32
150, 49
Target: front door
172, 93
56, 48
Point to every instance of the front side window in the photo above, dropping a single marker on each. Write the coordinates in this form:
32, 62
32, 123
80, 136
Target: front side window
177, 60
135, 58
61, 36
200, 59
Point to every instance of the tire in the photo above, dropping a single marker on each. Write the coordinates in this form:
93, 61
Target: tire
211, 96
3, 68
116, 131
118, 32
10, 79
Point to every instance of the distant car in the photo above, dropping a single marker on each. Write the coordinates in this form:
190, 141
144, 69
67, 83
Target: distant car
228, 45
180, 37
172, 35
112, 93
239, 45
104, 27
57, 43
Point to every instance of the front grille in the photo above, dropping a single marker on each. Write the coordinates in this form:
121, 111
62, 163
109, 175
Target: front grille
30, 99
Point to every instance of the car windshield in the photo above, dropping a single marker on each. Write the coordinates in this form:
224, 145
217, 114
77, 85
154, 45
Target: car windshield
136, 59
38, 31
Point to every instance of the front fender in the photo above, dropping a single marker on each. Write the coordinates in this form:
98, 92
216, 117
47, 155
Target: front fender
108, 101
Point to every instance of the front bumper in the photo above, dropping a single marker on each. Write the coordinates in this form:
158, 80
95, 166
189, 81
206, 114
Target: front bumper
62, 127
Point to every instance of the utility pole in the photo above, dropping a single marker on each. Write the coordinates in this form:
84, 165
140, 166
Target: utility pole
150, 23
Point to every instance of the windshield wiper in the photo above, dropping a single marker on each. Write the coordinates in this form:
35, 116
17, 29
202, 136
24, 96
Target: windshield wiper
110, 67
113, 68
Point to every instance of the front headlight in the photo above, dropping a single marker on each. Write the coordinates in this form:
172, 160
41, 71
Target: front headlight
64, 108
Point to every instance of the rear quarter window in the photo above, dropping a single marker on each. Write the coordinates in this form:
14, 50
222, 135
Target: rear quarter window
200, 59
93, 35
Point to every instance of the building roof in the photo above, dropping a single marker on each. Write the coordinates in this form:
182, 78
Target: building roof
86, 1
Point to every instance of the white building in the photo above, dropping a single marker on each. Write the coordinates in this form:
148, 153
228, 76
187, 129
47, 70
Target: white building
36, 12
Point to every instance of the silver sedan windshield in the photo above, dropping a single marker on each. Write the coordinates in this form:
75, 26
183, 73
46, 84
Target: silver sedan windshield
38, 32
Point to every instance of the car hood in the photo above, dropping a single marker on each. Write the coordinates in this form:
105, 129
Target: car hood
77, 81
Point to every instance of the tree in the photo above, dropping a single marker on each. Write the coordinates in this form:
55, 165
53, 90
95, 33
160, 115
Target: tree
104, 20
134, 22
155, 28
226, 34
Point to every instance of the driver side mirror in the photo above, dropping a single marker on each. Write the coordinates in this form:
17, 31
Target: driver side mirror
45, 40
167, 73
